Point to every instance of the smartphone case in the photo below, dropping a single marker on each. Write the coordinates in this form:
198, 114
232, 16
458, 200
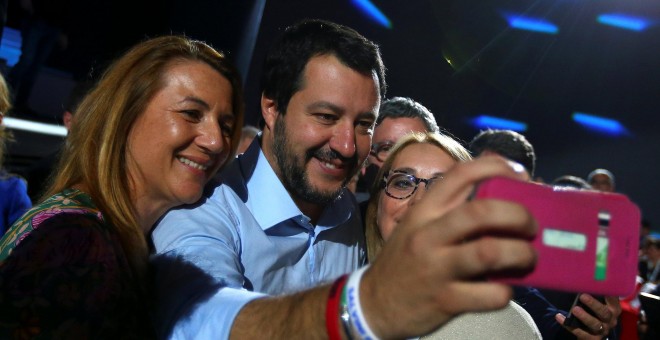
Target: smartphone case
587, 241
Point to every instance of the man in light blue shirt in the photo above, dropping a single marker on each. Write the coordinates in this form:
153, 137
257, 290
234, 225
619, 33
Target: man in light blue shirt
282, 221
260, 242
254, 258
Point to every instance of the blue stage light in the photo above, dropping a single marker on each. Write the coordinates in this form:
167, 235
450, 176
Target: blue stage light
624, 21
531, 24
373, 12
604, 125
10, 46
490, 122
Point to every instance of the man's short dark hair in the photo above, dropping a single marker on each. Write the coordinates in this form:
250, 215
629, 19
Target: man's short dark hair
506, 143
403, 107
571, 181
285, 62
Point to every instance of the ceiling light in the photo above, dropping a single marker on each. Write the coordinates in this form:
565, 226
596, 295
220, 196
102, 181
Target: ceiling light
490, 122
373, 12
27, 125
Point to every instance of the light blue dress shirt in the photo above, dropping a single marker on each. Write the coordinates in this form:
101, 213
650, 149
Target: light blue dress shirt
245, 239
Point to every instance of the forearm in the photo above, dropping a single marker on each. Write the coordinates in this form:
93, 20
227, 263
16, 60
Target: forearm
285, 317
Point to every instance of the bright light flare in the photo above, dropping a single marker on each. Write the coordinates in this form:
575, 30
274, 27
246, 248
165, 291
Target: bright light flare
490, 122
604, 125
373, 12
625, 21
540, 25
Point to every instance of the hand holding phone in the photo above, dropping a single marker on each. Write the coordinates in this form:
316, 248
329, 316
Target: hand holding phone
572, 320
598, 316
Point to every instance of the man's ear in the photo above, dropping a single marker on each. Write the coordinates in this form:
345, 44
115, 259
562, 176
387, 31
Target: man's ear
67, 119
269, 111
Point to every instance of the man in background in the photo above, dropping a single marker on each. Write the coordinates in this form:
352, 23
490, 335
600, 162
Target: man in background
602, 180
397, 117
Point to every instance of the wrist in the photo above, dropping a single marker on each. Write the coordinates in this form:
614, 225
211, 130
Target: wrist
357, 324
335, 309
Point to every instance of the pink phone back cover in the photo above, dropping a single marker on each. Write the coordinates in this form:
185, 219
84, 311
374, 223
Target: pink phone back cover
575, 211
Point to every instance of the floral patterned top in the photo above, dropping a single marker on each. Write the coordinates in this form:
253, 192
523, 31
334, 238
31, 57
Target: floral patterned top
64, 274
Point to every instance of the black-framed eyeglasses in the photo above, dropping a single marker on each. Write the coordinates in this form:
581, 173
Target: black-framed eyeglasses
381, 150
401, 185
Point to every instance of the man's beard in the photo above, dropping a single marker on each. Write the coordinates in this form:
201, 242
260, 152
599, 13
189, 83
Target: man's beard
292, 168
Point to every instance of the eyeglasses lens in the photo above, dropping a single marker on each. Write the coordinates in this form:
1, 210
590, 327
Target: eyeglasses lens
401, 185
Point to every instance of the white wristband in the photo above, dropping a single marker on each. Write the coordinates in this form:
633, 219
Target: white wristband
359, 323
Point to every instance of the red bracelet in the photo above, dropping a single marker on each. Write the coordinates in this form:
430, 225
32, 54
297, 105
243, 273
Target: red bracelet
332, 309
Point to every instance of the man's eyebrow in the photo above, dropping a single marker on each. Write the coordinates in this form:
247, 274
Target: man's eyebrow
325, 105
337, 109
368, 115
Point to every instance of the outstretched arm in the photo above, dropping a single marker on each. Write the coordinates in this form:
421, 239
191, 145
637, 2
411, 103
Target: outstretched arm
285, 317
430, 270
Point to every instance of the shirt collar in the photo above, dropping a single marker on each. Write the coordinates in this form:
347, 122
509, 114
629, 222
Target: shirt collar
268, 200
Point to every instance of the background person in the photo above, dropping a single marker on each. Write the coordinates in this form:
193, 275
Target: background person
397, 117
650, 263
602, 180
571, 181
505, 143
14, 200
159, 124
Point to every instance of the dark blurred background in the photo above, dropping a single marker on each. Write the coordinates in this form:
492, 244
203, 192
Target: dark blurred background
460, 58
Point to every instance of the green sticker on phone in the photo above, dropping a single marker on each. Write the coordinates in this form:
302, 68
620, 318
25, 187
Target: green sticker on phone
602, 244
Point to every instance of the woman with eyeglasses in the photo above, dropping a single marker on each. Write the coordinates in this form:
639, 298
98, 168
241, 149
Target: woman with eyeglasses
412, 166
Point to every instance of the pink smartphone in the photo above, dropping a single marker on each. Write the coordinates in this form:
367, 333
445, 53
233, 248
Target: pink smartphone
587, 240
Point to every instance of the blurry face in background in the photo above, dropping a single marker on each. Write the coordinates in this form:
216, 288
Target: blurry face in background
183, 137
602, 182
653, 253
390, 130
421, 160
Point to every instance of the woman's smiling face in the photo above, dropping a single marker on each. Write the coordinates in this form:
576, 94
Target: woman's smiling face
182, 138
422, 160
